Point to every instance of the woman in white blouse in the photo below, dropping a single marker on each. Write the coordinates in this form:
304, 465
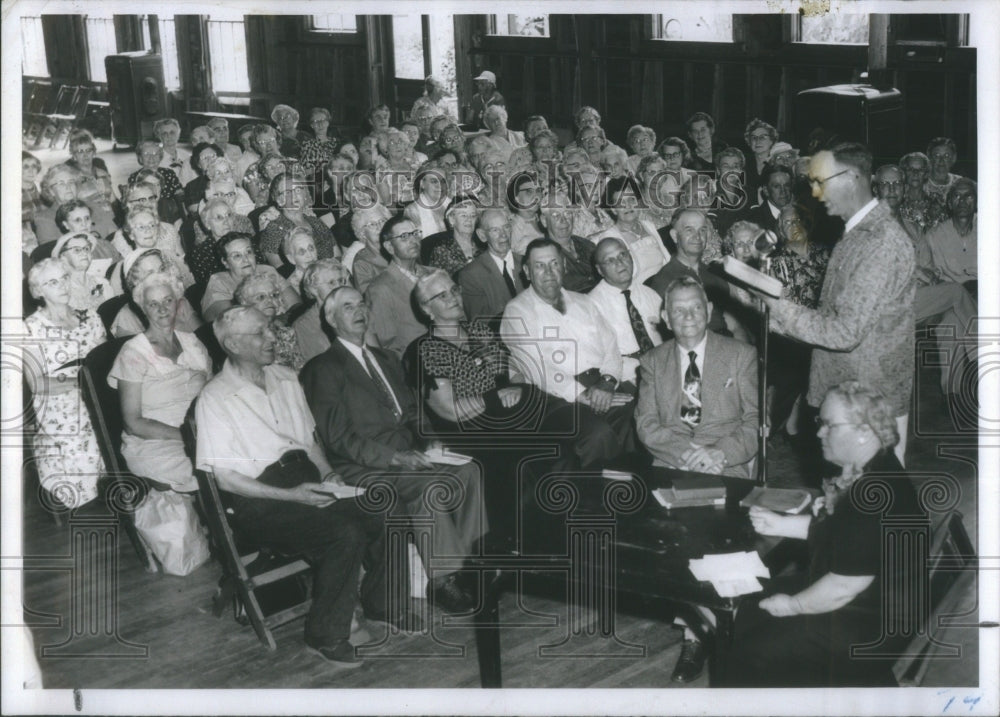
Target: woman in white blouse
631, 226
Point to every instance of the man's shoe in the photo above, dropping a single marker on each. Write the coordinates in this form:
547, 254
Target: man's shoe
409, 622
448, 595
691, 663
340, 654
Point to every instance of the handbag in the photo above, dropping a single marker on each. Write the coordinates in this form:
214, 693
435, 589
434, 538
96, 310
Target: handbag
168, 524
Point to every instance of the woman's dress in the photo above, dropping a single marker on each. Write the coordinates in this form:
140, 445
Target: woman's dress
66, 452
168, 388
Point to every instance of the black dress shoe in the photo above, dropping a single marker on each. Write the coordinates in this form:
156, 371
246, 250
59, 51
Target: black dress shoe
691, 663
448, 595
341, 654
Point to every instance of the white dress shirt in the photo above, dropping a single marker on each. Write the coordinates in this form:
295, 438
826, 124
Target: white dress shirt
859, 215
549, 349
507, 261
610, 302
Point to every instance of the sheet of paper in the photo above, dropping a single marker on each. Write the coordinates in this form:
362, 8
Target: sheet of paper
340, 490
733, 588
727, 566
443, 456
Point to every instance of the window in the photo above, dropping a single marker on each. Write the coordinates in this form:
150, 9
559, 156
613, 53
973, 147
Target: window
689, 25
227, 46
408, 46
519, 25
33, 60
334, 23
101, 42
834, 28
168, 48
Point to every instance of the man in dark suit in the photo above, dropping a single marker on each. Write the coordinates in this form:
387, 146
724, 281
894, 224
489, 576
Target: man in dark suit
697, 408
494, 277
776, 186
366, 419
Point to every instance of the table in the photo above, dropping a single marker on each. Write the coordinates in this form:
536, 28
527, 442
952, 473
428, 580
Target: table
610, 537
236, 121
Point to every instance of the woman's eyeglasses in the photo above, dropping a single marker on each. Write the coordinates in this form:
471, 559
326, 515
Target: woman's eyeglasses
823, 423
455, 290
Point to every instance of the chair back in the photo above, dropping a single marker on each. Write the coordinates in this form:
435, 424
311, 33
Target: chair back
79, 107
109, 309
38, 97
65, 99
951, 575
102, 402
42, 251
215, 350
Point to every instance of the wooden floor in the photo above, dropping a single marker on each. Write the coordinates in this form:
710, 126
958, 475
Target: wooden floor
167, 637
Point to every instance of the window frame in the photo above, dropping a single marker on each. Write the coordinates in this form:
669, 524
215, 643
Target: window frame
87, 39
225, 18
40, 51
308, 34
651, 25
491, 23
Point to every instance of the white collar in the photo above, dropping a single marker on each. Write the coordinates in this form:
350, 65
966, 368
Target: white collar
860, 214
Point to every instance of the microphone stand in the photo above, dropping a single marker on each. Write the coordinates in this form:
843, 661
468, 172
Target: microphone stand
764, 428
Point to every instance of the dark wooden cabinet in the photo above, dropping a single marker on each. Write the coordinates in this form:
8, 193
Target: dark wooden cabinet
136, 94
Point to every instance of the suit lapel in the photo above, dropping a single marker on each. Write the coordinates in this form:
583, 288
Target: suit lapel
356, 374
671, 377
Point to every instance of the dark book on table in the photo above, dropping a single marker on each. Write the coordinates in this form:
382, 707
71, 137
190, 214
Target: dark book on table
780, 500
692, 491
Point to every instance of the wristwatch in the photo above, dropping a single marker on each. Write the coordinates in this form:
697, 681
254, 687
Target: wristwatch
609, 379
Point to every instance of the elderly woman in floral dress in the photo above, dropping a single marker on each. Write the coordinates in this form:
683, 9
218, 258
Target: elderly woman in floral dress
66, 453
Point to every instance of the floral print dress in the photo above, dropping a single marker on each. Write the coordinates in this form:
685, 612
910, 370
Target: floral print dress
66, 452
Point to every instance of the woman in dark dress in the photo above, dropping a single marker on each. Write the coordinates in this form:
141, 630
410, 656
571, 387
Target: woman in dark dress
802, 633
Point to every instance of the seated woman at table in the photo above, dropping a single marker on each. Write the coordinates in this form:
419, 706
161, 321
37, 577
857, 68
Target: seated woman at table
801, 634
158, 373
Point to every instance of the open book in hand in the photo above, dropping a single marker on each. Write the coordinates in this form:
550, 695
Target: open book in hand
780, 500
748, 276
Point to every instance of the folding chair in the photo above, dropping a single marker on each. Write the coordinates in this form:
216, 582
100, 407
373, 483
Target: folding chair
951, 578
250, 573
66, 122
109, 309
37, 95
106, 416
51, 119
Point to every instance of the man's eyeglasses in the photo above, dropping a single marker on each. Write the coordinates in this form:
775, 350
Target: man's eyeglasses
890, 185
141, 200
415, 234
820, 182
620, 258
760, 137
823, 423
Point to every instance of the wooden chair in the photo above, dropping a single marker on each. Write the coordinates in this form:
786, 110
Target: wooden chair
254, 579
61, 107
105, 414
109, 309
951, 579
37, 96
66, 122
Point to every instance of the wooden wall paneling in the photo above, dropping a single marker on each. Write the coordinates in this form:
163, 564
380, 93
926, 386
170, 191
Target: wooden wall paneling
972, 146
528, 80
785, 115
950, 105
256, 30
65, 47
688, 100
128, 33
193, 63
718, 95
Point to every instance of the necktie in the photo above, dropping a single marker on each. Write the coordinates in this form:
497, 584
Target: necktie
638, 325
509, 281
380, 384
691, 398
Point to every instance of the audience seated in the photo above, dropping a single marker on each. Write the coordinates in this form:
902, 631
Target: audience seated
953, 243
60, 184
278, 484
776, 188
631, 309
560, 342
237, 256
290, 138
219, 126
369, 261
158, 373
319, 279
494, 277
289, 193
88, 288
576, 253
632, 227
920, 208
76, 216
941, 155
264, 292
760, 138
393, 325
704, 145
57, 337
135, 267
366, 418
455, 248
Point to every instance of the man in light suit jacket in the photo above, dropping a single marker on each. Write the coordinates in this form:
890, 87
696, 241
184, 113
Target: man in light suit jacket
713, 429
366, 419
485, 289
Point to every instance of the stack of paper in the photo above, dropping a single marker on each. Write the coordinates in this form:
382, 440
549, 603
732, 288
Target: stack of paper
731, 574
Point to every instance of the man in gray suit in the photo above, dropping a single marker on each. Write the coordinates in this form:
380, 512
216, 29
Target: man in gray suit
494, 277
697, 405
697, 409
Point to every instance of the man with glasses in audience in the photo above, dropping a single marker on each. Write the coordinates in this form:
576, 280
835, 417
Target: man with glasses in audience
863, 328
393, 325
